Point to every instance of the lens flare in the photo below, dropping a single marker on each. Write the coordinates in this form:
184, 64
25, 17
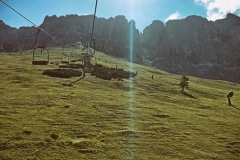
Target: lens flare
131, 108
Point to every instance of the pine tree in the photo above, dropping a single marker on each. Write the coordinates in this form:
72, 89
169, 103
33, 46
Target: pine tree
184, 83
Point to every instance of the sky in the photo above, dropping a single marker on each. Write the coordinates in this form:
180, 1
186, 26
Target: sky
143, 12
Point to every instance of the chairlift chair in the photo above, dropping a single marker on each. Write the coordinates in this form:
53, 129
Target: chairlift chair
64, 57
88, 63
87, 59
39, 52
77, 57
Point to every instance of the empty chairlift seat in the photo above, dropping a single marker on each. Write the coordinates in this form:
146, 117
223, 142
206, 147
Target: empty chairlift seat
40, 53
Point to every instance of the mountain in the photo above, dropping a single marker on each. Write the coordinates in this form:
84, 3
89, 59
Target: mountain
7, 37
111, 35
190, 46
195, 46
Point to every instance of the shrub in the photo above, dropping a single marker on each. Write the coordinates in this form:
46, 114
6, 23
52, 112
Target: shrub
109, 73
62, 73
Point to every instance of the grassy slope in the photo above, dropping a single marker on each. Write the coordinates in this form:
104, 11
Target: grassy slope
137, 118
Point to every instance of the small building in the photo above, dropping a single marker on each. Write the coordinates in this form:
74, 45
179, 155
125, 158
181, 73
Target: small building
78, 43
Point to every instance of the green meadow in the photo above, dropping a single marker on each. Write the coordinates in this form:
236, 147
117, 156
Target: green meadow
138, 118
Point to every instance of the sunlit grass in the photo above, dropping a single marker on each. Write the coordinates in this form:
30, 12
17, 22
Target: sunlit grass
98, 119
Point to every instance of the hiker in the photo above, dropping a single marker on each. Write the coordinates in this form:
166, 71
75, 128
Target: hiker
230, 94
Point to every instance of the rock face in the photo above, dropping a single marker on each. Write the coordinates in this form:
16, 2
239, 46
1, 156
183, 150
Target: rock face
7, 37
111, 35
192, 46
195, 46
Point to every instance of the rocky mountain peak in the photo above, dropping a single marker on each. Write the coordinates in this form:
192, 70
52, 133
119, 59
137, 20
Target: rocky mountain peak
195, 46
233, 16
48, 19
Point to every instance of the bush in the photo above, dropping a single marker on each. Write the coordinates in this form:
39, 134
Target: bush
99, 71
109, 73
62, 73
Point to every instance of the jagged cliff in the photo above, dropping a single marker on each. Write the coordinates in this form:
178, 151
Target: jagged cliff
195, 46
111, 35
7, 37
191, 46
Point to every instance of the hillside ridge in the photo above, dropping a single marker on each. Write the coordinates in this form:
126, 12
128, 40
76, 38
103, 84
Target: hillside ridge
142, 118
190, 46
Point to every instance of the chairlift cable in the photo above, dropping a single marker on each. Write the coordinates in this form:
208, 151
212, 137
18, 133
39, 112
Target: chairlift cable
30, 22
19, 13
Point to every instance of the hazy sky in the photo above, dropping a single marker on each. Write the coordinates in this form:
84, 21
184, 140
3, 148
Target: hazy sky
143, 12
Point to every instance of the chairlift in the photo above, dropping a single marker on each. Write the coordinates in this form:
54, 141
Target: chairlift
87, 56
39, 52
76, 57
88, 62
64, 57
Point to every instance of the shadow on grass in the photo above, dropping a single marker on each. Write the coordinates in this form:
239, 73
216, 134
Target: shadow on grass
234, 107
71, 84
188, 95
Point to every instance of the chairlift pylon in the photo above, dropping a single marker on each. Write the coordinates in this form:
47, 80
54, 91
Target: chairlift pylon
88, 66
